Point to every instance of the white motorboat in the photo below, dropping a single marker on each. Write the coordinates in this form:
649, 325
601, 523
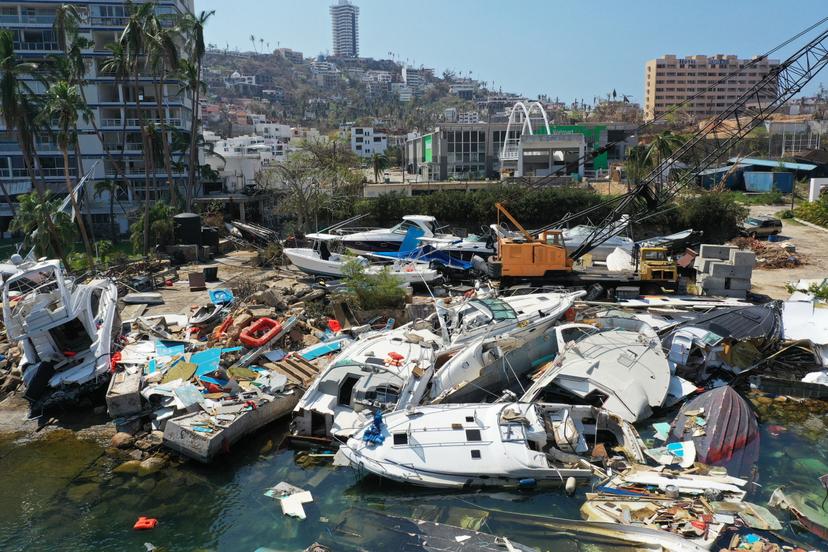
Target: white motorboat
482, 445
66, 330
323, 260
425, 226
386, 370
626, 372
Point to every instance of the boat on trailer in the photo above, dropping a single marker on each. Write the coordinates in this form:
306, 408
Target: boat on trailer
490, 445
66, 330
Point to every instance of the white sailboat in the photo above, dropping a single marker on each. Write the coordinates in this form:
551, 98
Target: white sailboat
66, 330
484, 445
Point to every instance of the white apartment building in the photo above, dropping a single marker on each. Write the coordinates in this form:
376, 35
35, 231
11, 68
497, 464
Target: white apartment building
669, 81
450, 114
237, 78
404, 92
345, 29
366, 141
238, 160
414, 78
274, 131
468, 117
112, 106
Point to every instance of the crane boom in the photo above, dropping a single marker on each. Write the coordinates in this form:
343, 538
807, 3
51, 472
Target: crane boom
714, 138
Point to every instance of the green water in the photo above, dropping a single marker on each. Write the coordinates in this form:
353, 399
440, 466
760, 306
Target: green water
60, 493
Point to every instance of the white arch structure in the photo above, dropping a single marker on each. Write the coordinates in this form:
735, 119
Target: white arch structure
510, 145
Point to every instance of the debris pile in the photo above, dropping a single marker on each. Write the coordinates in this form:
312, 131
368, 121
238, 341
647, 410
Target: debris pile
724, 271
771, 254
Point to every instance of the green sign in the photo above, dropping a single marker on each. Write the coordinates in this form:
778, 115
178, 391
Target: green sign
590, 133
427, 158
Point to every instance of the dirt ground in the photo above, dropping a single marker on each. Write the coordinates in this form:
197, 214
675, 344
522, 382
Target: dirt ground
809, 242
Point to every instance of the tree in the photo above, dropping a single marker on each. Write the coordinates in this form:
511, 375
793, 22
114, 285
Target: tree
660, 150
35, 215
117, 64
194, 29
63, 103
318, 177
160, 224
110, 187
379, 162
635, 166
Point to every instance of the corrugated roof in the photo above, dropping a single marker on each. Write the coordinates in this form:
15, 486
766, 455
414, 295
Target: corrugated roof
771, 163
722, 169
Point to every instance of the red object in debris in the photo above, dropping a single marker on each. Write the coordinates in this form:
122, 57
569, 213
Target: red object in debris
334, 325
698, 524
569, 315
114, 360
69, 354
260, 332
145, 523
168, 283
775, 430
219, 331
395, 356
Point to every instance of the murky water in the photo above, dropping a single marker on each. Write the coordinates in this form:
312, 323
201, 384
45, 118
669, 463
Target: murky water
60, 493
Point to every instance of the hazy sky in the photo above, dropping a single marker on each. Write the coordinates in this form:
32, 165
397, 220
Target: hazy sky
570, 49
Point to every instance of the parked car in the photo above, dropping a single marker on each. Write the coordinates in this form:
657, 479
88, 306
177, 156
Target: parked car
762, 226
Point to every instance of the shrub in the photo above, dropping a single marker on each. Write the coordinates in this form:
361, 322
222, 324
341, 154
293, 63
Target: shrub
371, 291
717, 214
814, 211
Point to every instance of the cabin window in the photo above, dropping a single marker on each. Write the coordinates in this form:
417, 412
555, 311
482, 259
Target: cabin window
400, 438
473, 435
469, 418
95, 301
71, 337
347, 389
475, 454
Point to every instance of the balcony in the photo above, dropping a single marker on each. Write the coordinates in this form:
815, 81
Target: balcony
107, 21
6, 173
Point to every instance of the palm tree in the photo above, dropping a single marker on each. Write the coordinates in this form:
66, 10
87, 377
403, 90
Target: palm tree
190, 83
379, 162
110, 187
660, 150
63, 103
253, 42
162, 58
35, 216
118, 65
194, 28
133, 39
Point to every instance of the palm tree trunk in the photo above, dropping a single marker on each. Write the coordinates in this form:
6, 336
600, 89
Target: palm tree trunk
81, 226
194, 138
164, 140
112, 229
147, 166
84, 193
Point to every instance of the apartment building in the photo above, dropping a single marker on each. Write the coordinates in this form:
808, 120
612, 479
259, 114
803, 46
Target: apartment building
292, 56
345, 29
366, 141
111, 105
669, 81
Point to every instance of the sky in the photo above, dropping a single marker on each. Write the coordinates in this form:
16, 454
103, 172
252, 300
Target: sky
569, 49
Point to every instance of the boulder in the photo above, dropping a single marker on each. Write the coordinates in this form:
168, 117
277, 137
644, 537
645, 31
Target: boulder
122, 440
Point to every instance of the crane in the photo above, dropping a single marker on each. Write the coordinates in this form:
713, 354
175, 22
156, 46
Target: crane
713, 138
702, 149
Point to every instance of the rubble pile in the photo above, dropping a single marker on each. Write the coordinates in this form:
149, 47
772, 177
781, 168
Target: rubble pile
769, 254
724, 271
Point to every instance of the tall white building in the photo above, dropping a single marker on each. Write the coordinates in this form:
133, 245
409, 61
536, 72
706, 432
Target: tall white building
345, 29
366, 141
112, 105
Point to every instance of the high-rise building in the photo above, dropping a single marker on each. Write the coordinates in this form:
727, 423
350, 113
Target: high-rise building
345, 29
669, 81
112, 104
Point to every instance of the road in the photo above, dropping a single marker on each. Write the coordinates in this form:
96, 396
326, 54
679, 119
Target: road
809, 242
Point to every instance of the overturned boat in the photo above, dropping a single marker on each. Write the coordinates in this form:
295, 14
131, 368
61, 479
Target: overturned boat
484, 369
483, 445
723, 428
622, 371
66, 330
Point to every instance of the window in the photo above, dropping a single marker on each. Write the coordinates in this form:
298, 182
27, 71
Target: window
473, 435
400, 439
475, 454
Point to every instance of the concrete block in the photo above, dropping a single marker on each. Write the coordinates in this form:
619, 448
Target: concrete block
703, 265
727, 270
721, 252
712, 282
738, 284
123, 396
743, 258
